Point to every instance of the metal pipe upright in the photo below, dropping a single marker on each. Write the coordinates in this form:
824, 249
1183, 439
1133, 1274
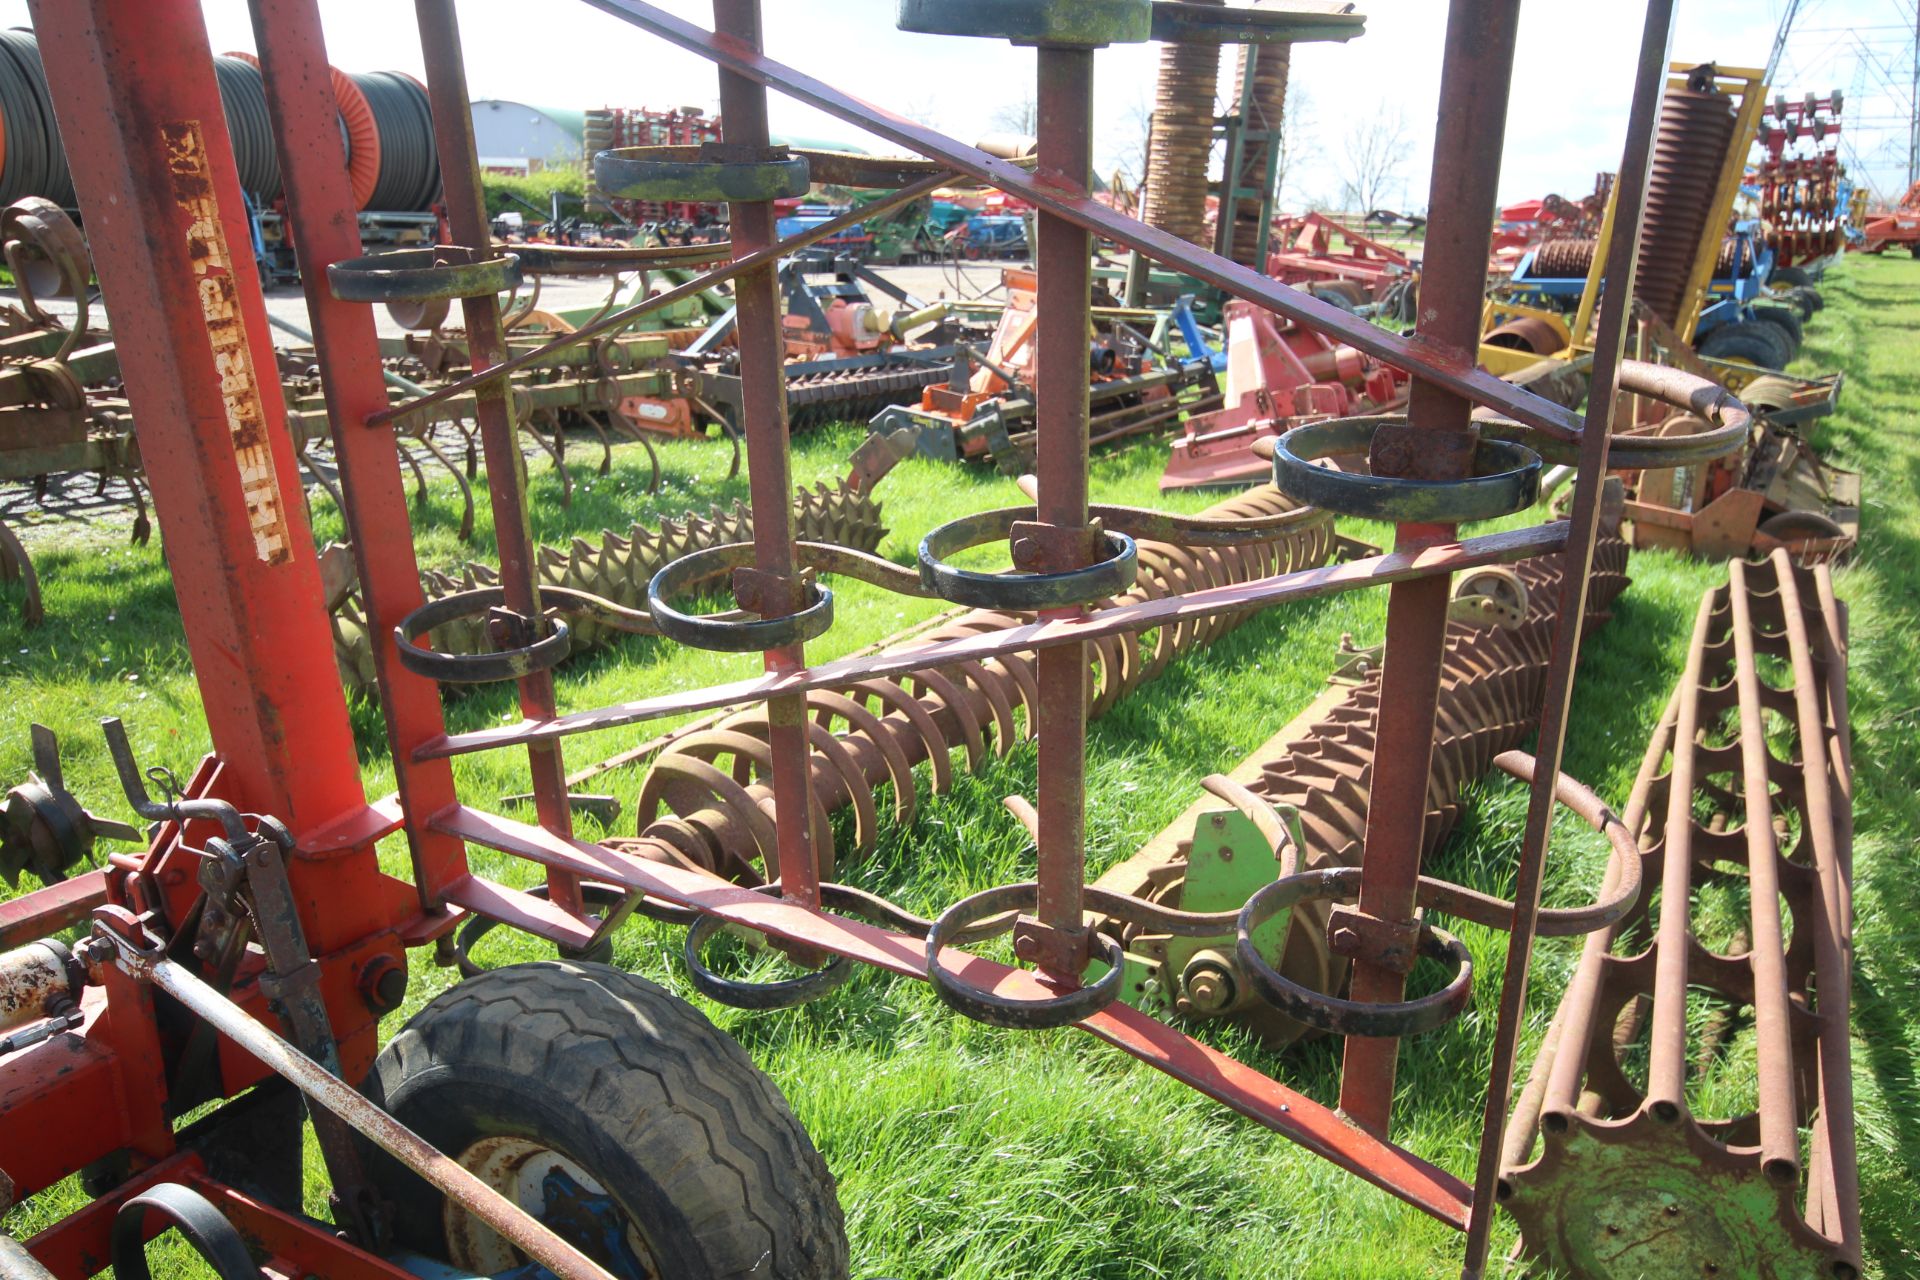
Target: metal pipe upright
493, 408
1064, 260
1629, 207
1475, 81
1772, 1013
293, 64
763, 416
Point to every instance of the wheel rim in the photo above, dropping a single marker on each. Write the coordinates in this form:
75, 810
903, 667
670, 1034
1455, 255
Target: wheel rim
557, 1191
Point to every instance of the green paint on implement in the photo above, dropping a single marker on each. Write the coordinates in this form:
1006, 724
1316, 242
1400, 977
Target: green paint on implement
1229, 861
706, 174
1623, 1200
1088, 23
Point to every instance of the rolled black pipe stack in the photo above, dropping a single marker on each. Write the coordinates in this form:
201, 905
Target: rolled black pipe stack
35, 164
409, 166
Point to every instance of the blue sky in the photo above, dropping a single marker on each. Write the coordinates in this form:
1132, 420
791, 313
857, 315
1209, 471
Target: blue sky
1570, 93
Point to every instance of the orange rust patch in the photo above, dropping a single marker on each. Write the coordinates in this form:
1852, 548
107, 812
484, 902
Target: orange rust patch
226, 336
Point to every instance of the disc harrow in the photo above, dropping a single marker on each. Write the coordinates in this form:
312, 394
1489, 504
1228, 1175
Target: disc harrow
614, 567
1616, 1160
705, 795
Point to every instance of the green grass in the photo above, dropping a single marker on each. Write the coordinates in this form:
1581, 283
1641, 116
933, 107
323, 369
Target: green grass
968, 1152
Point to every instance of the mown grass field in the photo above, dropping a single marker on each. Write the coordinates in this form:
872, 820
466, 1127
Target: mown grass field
963, 1151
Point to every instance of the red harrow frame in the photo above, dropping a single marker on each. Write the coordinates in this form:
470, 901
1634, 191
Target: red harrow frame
139, 110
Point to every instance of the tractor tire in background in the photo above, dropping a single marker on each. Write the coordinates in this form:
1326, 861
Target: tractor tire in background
1786, 319
1750, 342
1802, 300
1789, 276
615, 1112
1333, 293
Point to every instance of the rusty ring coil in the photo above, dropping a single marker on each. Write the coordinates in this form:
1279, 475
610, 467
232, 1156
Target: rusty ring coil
1677, 389
758, 996
731, 634
475, 668
789, 992
1506, 479
1024, 591
706, 173
1005, 1011
593, 893
1087, 24
1331, 1013
423, 275
1490, 912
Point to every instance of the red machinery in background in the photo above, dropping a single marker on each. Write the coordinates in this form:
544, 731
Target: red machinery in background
1279, 375
1359, 271
1898, 229
1803, 204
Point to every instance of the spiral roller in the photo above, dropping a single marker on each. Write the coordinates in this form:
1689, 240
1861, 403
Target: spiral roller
705, 794
1492, 678
616, 568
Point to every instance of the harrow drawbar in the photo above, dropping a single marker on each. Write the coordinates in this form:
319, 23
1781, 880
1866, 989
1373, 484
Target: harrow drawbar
1734, 963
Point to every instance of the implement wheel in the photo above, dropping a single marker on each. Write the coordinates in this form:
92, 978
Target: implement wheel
615, 1113
1751, 342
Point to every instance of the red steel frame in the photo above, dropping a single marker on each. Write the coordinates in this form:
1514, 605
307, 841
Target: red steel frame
135, 91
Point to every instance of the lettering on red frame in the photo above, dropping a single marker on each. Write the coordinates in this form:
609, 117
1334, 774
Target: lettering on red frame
226, 336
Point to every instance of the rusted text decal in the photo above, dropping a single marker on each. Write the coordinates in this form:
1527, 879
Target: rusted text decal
226, 335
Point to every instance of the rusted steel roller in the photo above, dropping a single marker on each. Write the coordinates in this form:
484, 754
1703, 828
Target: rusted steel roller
1689, 150
1537, 334
1564, 259
1182, 139
613, 567
1319, 770
1746, 785
875, 732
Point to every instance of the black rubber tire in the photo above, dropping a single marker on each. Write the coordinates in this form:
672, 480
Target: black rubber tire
1796, 300
1784, 318
1811, 297
635, 1086
1327, 293
1755, 343
1789, 276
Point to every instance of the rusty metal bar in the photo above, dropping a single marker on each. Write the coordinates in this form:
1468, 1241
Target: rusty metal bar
1303, 584
763, 399
1629, 1179
1667, 1065
1831, 754
1251, 1093
1629, 206
1064, 260
1450, 368
493, 408
1779, 1135
1476, 78
335, 1095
